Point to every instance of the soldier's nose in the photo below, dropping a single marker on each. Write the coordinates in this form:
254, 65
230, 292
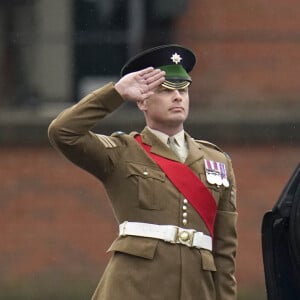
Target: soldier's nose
177, 95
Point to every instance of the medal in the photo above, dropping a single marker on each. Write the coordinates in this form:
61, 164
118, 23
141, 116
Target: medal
225, 181
217, 169
218, 179
208, 171
213, 176
210, 178
216, 173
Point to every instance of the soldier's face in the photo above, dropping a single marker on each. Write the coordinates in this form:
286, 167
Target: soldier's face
166, 107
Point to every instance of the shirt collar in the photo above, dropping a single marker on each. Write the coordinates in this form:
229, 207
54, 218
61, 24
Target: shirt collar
180, 139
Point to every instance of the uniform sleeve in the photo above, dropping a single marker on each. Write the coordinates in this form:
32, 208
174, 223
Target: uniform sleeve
225, 242
70, 133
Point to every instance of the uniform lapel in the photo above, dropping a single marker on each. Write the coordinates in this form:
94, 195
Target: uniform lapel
195, 151
157, 146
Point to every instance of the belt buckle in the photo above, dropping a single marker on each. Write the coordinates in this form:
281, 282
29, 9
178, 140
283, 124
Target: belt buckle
185, 236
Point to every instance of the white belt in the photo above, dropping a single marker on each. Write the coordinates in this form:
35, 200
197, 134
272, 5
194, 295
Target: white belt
167, 233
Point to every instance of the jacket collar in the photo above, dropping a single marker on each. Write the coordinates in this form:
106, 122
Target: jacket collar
159, 148
195, 151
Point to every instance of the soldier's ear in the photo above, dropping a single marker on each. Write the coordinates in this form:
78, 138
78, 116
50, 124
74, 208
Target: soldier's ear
142, 105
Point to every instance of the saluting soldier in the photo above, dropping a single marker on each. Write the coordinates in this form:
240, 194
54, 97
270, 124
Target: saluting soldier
173, 197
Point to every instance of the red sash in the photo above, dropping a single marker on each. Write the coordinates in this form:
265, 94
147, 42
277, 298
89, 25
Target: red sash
190, 185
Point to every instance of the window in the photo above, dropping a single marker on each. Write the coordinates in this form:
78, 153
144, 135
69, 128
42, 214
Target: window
108, 32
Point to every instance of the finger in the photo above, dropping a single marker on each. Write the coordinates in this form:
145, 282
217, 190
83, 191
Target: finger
160, 75
150, 80
155, 83
154, 72
145, 71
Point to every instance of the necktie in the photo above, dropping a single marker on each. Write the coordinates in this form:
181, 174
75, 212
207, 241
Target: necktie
173, 146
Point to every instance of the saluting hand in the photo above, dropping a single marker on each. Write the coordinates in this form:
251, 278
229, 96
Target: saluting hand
138, 86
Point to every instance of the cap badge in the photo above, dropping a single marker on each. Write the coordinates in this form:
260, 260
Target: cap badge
176, 58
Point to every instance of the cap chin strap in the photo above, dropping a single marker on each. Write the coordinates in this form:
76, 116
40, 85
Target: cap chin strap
175, 85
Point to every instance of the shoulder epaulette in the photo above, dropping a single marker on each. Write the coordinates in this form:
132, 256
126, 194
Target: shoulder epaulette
211, 145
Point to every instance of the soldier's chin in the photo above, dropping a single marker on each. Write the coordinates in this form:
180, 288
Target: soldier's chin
176, 121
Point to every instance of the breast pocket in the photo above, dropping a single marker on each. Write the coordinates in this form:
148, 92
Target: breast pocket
149, 184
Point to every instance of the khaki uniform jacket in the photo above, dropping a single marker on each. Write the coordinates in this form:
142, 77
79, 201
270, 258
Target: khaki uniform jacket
145, 268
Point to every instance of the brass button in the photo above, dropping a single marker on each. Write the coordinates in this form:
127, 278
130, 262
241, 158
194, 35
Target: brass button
184, 207
184, 221
184, 214
185, 201
145, 173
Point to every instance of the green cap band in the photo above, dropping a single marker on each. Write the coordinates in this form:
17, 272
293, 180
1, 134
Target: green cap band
175, 72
